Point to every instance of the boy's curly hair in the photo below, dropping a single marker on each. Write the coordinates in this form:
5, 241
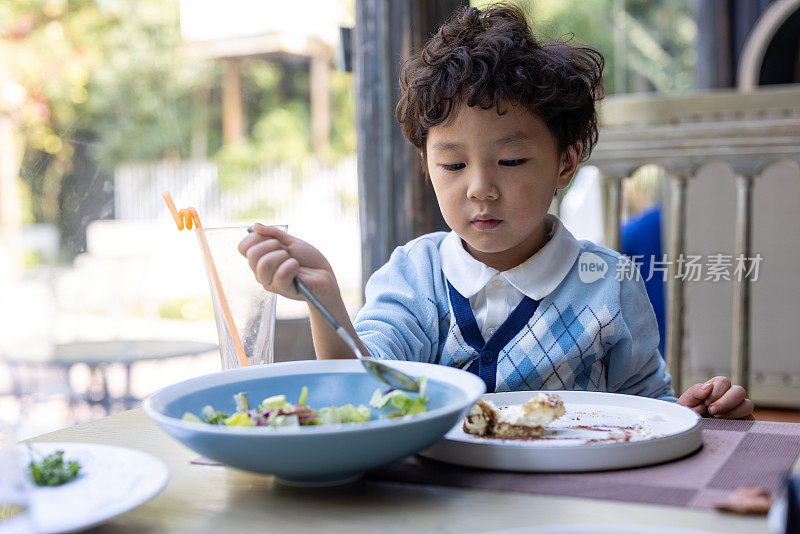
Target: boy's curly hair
482, 57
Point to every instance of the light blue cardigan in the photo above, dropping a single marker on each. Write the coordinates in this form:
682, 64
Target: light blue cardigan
595, 336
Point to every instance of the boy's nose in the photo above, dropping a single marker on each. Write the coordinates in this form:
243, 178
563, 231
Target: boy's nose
482, 186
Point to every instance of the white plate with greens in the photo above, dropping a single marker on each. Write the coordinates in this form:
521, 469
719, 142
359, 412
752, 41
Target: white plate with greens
111, 481
599, 431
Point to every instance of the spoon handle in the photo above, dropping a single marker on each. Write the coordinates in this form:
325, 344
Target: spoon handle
342, 333
301, 287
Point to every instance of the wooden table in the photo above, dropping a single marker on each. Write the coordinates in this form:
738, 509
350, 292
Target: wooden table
219, 499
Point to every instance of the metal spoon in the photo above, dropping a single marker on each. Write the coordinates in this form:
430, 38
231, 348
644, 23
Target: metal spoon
386, 374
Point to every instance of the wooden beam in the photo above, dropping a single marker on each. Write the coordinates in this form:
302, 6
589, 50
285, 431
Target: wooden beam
269, 47
320, 103
395, 202
232, 115
370, 81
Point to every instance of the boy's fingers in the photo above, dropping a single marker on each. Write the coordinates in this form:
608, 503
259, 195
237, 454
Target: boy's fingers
248, 241
730, 400
256, 251
273, 232
745, 409
721, 384
697, 394
268, 264
285, 273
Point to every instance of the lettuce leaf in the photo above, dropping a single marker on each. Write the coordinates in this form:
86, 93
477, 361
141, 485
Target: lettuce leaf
342, 414
380, 399
405, 403
213, 417
241, 402
192, 418
274, 403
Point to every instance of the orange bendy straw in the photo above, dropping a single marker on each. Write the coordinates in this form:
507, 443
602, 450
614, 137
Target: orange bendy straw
186, 218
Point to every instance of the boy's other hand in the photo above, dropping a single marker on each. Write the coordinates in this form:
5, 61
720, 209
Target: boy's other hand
718, 398
276, 257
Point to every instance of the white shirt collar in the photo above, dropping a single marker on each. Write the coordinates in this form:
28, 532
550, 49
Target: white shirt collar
536, 277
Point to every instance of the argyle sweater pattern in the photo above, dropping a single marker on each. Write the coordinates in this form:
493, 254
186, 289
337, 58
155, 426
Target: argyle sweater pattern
588, 334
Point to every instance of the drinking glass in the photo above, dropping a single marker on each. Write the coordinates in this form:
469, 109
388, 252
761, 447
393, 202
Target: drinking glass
238, 299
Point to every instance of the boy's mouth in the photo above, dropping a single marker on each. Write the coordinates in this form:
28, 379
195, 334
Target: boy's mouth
485, 222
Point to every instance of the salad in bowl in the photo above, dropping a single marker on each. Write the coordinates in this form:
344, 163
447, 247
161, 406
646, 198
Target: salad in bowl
319, 421
276, 411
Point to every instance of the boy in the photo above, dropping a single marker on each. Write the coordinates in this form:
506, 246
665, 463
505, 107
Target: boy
501, 121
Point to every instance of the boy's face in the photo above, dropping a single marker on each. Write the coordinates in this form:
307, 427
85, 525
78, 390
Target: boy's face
494, 177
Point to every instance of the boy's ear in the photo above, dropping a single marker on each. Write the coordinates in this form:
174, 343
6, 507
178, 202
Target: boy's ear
569, 164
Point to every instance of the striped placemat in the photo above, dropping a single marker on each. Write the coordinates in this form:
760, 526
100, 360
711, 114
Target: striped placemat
734, 453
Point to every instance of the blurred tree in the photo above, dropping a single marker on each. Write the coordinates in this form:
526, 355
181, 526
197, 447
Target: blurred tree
277, 100
108, 81
648, 45
105, 82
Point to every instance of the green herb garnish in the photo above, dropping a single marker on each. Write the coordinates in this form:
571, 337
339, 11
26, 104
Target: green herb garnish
53, 471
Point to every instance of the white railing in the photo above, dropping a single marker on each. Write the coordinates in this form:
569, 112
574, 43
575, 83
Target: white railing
715, 148
318, 202
281, 191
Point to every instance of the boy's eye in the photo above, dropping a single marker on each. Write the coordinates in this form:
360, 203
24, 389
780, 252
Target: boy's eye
453, 166
512, 162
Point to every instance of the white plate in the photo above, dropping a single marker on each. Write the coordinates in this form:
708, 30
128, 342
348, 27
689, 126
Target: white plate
599, 431
112, 480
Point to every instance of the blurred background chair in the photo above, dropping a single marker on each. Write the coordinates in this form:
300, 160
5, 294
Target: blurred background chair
293, 339
27, 343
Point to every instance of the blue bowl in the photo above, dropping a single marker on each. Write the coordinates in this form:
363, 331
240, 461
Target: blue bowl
312, 454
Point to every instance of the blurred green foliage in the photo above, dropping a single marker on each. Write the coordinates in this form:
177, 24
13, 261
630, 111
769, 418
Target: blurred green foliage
109, 81
279, 98
186, 309
112, 78
108, 78
655, 42
32, 259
